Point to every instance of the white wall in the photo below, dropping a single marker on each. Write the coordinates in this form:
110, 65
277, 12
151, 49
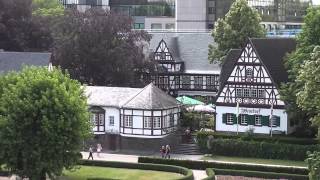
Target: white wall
112, 112
257, 129
159, 20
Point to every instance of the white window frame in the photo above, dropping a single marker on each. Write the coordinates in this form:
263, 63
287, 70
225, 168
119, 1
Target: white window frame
257, 120
243, 119
101, 119
261, 93
246, 92
111, 120
229, 118
147, 122
254, 93
239, 92
156, 122
128, 121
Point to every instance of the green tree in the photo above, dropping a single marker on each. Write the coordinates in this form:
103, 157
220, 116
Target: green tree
306, 42
43, 122
47, 8
313, 161
99, 48
233, 31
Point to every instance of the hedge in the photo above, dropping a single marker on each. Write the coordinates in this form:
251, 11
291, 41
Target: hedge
240, 148
275, 139
210, 173
188, 175
258, 174
202, 165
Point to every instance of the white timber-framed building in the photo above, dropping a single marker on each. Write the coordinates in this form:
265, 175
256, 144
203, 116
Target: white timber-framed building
252, 77
133, 118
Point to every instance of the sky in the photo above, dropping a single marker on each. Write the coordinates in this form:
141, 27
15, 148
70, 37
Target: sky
316, 2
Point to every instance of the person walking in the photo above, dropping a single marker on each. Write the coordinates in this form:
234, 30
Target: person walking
168, 149
90, 153
99, 149
162, 151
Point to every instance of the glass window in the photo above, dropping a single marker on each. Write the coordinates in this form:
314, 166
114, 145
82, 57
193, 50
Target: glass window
246, 92
243, 119
257, 120
249, 74
138, 25
156, 122
147, 122
111, 120
101, 119
156, 26
186, 82
239, 92
198, 81
229, 118
170, 26
261, 93
171, 119
211, 10
254, 93
127, 121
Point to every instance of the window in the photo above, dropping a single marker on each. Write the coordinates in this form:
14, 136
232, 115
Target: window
243, 119
246, 92
177, 81
165, 121
186, 82
138, 26
254, 93
211, 10
101, 119
111, 120
156, 26
169, 26
198, 81
239, 92
127, 121
171, 119
261, 93
273, 121
249, 74
147, 122
229, 118
156, 122
257, 120
210, 81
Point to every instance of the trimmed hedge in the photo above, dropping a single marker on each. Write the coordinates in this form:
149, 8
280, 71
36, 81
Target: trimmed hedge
202, 165
240, 148
188, 175
202, 135
258, 174
210, 173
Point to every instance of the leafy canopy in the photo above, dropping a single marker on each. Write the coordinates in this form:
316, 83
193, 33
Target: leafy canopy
306, 42
99, 48
43, 122
233, 31
47, 8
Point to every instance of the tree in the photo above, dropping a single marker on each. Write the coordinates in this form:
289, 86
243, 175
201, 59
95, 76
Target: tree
47, 8
43, 122
100, 48
313, 161
233, 31
306, 42
19, 30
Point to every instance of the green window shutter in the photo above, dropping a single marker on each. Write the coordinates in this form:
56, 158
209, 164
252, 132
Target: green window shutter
265, 120
250, 119
224, 118
278, 120
234, 118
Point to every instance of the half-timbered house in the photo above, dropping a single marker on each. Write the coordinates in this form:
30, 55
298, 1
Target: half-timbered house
132, 118
251, 77
183, 67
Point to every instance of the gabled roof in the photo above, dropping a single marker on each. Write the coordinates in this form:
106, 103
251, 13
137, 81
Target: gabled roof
272, 52
14, 61
228, 65
151, 97
191, 48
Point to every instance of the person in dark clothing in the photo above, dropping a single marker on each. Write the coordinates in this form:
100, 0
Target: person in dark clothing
168, 149
162, 151
90, 153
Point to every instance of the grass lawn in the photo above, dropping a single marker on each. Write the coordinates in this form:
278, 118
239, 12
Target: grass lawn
117, 173
256, 160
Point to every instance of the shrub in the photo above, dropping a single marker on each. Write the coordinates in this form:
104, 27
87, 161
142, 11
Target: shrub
242, 148
202, 165
202, 136
313, 161
258, 174
188, 175
210, 173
